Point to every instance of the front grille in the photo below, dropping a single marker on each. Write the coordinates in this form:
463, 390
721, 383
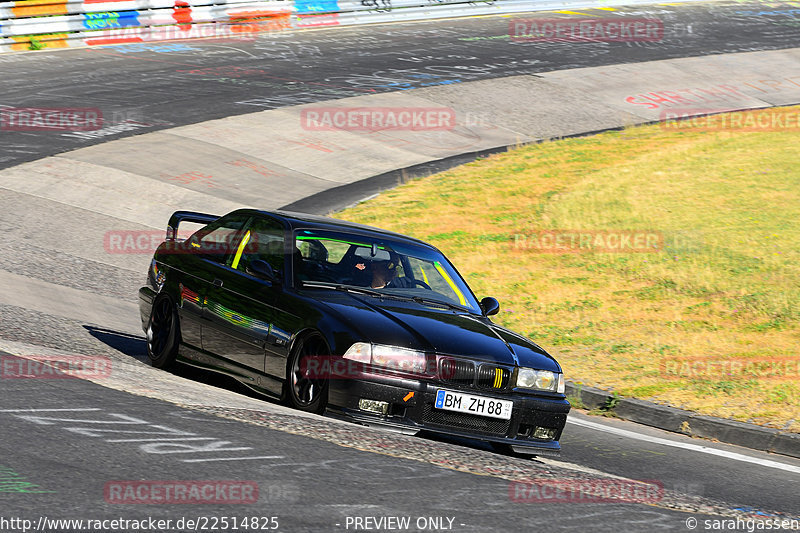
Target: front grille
457, 371
465, 373
493, 377
474, 423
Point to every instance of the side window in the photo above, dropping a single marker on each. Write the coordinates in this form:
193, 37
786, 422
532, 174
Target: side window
321, 250
312, 250
217, 241
265, 238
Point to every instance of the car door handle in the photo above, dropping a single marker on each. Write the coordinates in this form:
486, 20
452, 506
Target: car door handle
217, 282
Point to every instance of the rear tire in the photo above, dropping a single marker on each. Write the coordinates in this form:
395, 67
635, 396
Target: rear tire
301, 391
163, 335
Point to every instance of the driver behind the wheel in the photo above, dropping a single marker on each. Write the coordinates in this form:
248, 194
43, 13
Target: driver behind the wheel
383, 272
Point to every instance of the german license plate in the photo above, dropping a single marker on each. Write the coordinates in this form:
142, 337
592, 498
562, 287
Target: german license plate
475, 405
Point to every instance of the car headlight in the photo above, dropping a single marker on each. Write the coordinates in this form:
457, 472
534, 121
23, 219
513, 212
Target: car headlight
391, 357
529, 378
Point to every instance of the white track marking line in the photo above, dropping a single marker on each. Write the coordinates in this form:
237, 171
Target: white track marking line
685, 445
46, 410
165, 439
233, 458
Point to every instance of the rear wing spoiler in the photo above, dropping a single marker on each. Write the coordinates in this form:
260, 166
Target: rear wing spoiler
187, 216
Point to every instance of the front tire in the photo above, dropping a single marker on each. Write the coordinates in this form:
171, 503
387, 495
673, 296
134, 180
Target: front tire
303, 391
163, 333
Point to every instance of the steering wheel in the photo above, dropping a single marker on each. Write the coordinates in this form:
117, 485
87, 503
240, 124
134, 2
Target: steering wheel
404, 282
422, 284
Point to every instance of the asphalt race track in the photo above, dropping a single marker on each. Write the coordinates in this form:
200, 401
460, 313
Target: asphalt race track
65, 442
166, 84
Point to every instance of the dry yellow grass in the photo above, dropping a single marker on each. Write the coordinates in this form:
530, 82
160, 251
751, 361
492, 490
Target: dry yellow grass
725, 285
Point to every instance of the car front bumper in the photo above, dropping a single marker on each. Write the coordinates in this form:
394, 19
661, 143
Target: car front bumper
411, 407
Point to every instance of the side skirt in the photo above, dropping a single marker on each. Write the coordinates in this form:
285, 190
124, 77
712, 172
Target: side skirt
259, 382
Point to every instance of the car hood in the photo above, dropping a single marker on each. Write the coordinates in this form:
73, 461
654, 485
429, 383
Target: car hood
433, 329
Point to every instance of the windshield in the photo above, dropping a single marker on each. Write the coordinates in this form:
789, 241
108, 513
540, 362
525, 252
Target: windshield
384, 266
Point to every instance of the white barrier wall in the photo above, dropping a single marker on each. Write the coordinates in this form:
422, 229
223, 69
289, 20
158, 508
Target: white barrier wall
33, 24
65, 23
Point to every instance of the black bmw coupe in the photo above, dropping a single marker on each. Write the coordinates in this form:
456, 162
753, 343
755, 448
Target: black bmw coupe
326, 314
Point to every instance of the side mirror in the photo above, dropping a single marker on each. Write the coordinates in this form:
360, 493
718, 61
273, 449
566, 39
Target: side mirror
263, 270
490, 306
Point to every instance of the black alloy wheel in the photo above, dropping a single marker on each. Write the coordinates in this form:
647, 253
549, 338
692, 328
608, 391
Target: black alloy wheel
307, 389
162, 333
